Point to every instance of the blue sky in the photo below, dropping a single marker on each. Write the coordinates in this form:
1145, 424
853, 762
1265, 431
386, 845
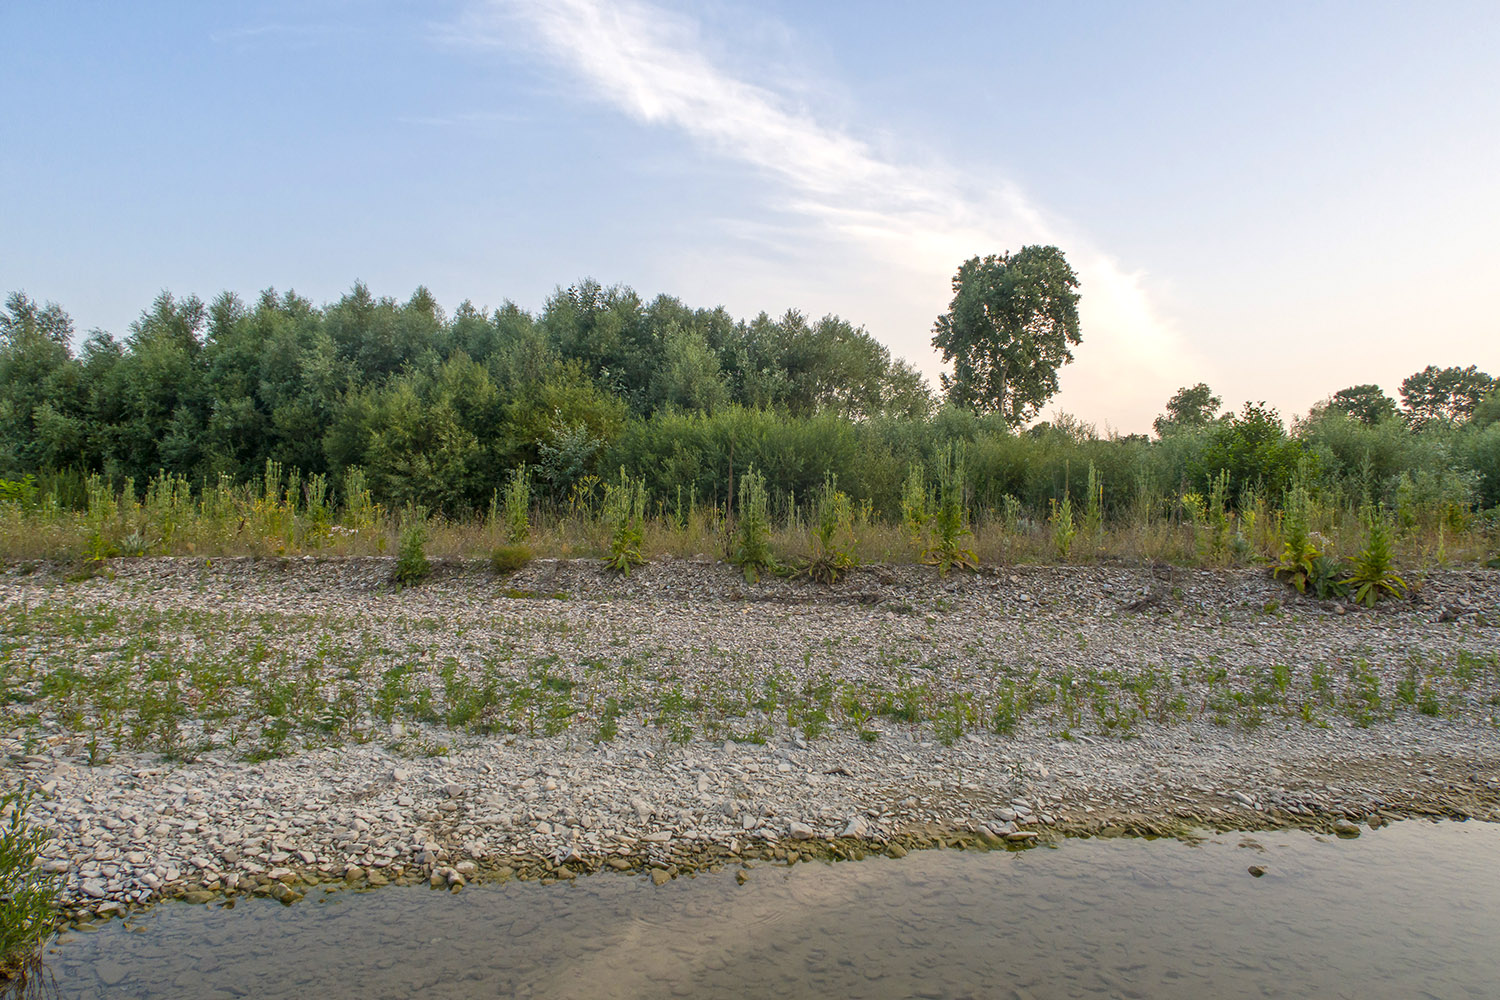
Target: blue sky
1278, 199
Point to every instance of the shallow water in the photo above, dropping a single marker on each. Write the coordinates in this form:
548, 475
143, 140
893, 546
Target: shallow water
1410, 911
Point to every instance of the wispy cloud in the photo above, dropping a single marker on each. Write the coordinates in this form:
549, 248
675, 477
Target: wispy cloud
916, 223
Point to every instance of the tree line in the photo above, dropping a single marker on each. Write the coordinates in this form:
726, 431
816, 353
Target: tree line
439, 409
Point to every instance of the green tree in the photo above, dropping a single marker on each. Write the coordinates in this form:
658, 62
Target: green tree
1487, 412
156, 395
425, 441
1254, 448
1443, 394
40, 393
1008, 331
1189, 407
690, 377
1366, 403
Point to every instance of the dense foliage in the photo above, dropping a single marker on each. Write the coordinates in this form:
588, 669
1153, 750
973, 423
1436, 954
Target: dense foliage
1008, 330
424, 409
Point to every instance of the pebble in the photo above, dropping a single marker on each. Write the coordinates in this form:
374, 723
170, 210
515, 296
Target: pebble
128, 831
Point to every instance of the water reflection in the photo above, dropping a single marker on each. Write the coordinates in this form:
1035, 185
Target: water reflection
1411, 911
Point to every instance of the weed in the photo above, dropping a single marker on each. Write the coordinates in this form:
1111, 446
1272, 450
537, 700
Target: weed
507, 559
624, 510
949, 525
1374, 575
412, 566
609, 720
1295, 565
27, 896
915, 504
517, 503
1063, 529
833, 534
1362, 694
752, 552
1323, 578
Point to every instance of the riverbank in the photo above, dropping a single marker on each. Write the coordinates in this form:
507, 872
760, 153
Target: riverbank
202, 727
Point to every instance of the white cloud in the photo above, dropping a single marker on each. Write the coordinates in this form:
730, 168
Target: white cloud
910, 225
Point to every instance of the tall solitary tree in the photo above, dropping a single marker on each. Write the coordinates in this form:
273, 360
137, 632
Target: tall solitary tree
1008, 331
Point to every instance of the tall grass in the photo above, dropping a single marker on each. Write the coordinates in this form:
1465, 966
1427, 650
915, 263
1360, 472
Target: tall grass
27, 896
285, 513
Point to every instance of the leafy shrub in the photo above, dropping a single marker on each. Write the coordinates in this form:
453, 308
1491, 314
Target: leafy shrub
27, 896
412, 566
509, 558
752, 552
1374, 575
21, 492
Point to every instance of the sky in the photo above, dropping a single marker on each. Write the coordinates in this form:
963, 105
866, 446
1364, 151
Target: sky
1278, 199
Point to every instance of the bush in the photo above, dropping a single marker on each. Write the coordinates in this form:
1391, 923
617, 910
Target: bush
509, 558
412, 566
27, 896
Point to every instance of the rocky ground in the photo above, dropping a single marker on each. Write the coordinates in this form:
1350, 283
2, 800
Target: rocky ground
200, 728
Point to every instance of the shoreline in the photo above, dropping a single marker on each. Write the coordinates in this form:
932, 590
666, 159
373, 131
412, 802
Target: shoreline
414, 801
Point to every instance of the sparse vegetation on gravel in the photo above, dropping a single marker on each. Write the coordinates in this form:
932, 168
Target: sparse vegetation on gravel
194, 671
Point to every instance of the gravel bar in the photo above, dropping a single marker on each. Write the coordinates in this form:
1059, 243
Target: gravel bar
690, 720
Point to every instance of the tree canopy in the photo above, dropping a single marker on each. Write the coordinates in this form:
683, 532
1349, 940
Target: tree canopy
1189, 407
1444, 393
1008, 330
434, 407
425, 406
1366, 403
